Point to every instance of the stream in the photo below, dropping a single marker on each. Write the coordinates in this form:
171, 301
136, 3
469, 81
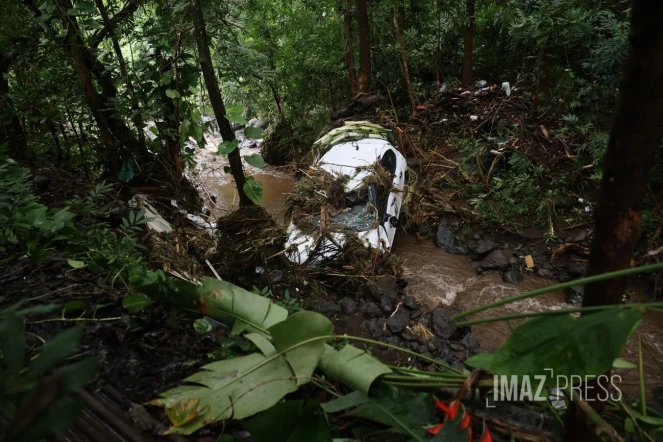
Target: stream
434, 276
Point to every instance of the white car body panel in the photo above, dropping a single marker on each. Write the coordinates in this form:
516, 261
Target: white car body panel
354, 160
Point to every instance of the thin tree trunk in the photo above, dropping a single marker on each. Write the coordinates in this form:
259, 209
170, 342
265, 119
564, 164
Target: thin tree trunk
406, 70
216, 99
56, 141
349, 52
10, 126
66, 141
468, 44
138, 118
633, 140
365, 76
80, 143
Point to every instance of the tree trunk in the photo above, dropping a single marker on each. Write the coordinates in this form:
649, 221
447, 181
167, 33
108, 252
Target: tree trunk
633, 141
365, 77
138, 118
349, 53
10, 127
56, 142
79, 142
216, 100
399, 21
467, 47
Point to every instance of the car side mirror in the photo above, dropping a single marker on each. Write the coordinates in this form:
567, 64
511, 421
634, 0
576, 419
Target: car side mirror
393, 221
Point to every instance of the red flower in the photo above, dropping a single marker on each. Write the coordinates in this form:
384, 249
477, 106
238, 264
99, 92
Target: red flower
486, 436
451, 412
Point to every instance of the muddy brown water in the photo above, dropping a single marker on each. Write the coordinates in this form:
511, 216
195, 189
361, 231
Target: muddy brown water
436, 277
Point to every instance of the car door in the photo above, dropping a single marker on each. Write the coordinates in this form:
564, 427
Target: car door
394, 162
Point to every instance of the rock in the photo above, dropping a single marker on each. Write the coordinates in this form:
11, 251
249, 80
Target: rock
348, 305
484, 248
548, 266
477, 237
512, 277
445, 237
455, 347
545, 273
394, 340
459, 250
383, 286
469, 342
475, 264
497, 260
435, 343
581, 236
460, 355
365, 326
41, 182
401, 283
442, 324
576, 268
370, 310
457, 365
377, 328
410, 302
513, 261
385, 305
398, 322
574, 294
409, 335
417, 314
256, 122
563, 277
327, 308
276, 276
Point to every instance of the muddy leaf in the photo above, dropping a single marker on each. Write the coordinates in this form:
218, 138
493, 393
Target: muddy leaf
183, 412
352, 366
584, 346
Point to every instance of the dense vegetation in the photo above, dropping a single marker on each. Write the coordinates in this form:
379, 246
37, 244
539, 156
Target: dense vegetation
104, 99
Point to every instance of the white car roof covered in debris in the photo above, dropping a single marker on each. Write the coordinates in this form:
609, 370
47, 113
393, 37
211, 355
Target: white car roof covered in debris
345, 158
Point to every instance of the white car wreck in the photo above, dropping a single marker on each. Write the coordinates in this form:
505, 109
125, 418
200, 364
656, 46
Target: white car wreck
353, 154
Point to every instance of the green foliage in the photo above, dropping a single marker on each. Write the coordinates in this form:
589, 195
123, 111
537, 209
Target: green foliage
291, 421
24, 385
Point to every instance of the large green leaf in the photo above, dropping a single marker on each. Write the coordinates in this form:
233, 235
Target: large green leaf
241, 387
352, 366
253, 189
227, 146
255, 160
584, 346
253, 132
404, 411
236, 118
12, 342
302, 327
290, 421
55, 351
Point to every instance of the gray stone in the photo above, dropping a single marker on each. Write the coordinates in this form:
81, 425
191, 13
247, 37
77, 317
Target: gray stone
512, 277
475, 264
513, 261
394, 340
459, 250
377, 328
455, 347
445, 237
370, 310
484, 248
576, 268
383, 286
574, 294
442, 324
457, 365
545, 273
327, 308
410, 302
548, 266
460, 355
385, 305
469, 342
365, 326
398, 322
581, 236
41, 182
409, 335
348, 305
497, 260
435, 343
477, 237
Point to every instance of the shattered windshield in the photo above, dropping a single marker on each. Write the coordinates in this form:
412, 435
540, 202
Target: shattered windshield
359, 215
